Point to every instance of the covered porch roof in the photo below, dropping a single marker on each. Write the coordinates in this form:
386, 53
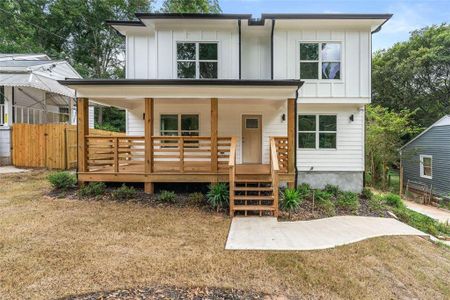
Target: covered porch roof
129, 89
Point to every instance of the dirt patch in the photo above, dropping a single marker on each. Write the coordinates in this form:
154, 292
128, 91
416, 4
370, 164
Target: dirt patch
195, 293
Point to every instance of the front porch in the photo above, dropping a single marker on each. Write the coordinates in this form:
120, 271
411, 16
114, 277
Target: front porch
248, 156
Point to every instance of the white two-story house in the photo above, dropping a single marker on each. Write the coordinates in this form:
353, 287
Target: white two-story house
227, 97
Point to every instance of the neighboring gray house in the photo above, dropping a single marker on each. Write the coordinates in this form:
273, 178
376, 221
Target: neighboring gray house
426, 158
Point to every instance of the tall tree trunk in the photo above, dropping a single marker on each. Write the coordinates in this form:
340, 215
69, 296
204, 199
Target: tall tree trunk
100, 116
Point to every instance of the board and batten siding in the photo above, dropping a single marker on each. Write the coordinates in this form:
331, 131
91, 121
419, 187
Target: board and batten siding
255, 57
354, 85
153, 56
230, 118
5, 145
434, 142
349, 152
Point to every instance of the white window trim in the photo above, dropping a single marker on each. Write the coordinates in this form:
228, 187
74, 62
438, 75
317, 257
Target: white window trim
320, 79
317, 132
179, 131
197, 57
422, 168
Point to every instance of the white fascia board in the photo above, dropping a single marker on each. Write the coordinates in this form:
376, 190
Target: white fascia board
184, 91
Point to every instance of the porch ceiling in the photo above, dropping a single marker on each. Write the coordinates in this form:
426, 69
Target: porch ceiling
129, 89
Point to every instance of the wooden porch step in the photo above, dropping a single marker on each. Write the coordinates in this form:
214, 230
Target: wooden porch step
253, 207
254, 198
253, 188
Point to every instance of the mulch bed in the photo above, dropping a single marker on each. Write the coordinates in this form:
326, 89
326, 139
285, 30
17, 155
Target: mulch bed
307, 211
171, 293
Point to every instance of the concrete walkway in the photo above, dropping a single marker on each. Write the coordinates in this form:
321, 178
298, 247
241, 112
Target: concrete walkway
11, 169
433, 212
265, 233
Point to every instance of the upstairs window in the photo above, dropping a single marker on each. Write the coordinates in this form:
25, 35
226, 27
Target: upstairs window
317, 131
197, 60
426, 166
320, 61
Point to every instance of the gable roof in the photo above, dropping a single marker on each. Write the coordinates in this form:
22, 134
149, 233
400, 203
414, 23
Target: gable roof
444, 121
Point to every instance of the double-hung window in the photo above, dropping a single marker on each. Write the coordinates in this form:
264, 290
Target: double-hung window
197, 60
320, 61
317, 131
426, 166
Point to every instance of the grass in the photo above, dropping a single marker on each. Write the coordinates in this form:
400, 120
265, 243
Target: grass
51, 248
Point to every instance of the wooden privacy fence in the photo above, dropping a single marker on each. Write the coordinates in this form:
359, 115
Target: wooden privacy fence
52, 146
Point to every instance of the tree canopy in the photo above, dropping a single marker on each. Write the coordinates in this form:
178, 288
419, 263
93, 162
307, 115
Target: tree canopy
415, 75
191, 6
69, 29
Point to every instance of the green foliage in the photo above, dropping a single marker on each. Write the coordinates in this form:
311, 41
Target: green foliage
62, 180
124, 193
196, 198
332, 189
324, 201
348, 201
92, 189
110, 119
72, 30
414, 74
367, 193
393, 200
167, 196
384, 132
291, 199
305, 190
191, 6
422, 222
218, 195
376, 204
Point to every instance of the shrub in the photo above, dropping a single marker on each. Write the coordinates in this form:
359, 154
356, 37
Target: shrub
196, 198
322, 196
167, 196
62, 180
323, 201
218, 195
332, 189
305, 190
124, 193
393, 200
376, 204
92, 189
290, 200
367, 193
348, 201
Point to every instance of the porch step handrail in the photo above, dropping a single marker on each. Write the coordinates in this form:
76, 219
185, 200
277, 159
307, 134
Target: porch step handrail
232, 173
274, 170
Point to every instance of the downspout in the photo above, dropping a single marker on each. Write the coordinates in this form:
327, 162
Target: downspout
240, 38
271, 49
13, 103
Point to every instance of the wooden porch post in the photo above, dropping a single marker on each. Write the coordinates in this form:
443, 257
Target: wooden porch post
291, 136
214, 132
148, 130
83, 130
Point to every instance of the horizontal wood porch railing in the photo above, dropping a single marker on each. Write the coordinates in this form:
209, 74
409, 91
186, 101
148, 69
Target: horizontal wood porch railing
178, 154
282, 152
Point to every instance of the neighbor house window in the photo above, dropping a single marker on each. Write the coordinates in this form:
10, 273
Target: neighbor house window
320, 61
426, 166
317, 131
180, 125
197, 60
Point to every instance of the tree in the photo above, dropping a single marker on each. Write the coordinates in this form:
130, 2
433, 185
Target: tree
415, 75
384, 131
191, 6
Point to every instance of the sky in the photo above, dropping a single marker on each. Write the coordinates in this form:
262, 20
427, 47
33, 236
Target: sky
408, 14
